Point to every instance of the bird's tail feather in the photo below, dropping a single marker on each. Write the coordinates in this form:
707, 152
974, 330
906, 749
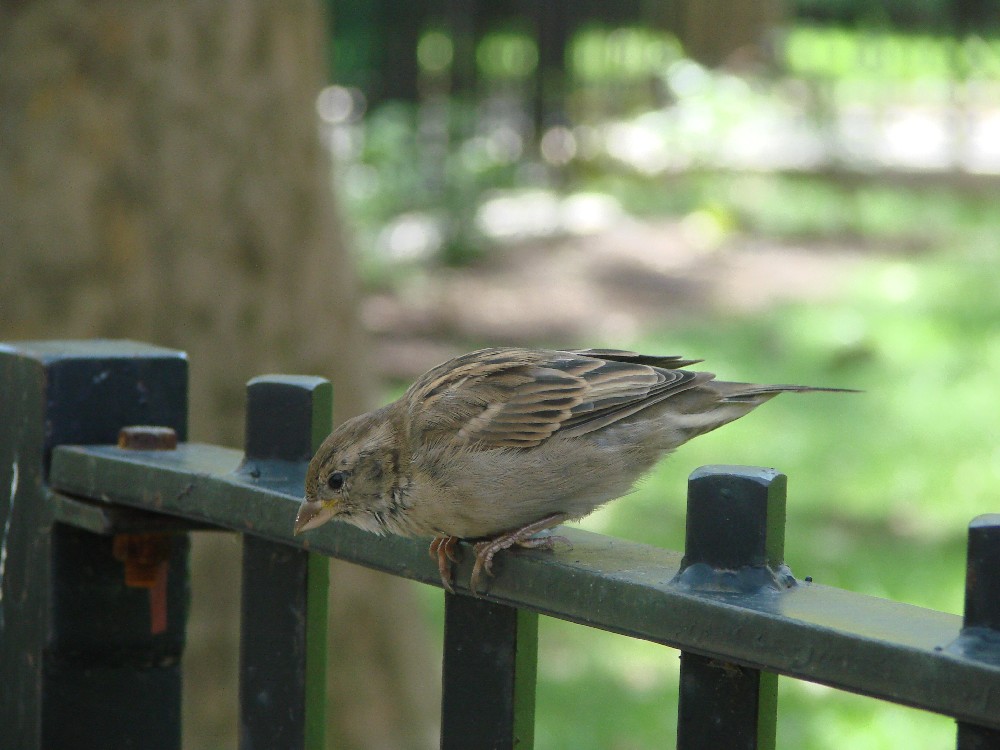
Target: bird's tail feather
736, 392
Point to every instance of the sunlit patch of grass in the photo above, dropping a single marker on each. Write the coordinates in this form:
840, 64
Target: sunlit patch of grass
803, 207
598, 690
813, 716
882, 484
881, 487
620, 695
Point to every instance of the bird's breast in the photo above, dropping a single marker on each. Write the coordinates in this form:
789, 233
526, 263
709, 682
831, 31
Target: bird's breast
480, 493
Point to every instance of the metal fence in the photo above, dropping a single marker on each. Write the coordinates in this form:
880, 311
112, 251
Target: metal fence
95, 517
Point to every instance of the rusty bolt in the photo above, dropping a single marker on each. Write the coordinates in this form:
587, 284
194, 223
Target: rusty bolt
143, 554
147, 563
147, 438
147, 556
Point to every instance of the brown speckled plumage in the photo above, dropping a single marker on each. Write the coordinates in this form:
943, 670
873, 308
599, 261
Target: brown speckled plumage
500, 439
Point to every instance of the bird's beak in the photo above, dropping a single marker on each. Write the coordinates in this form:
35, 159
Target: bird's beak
312, 514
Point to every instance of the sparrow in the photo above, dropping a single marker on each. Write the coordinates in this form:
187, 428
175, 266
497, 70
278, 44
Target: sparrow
500, 444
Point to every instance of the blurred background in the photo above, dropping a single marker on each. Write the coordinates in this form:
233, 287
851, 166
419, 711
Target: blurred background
795, 191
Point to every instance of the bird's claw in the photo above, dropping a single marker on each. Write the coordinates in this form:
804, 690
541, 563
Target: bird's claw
445, 551
484, 561
523, 537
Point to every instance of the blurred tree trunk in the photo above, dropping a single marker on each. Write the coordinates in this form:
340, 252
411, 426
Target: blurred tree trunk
717, 32
161, 178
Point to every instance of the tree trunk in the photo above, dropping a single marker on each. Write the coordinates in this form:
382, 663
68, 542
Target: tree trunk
733, 32
161, 179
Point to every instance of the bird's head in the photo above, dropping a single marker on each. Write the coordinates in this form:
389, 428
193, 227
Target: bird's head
354, 476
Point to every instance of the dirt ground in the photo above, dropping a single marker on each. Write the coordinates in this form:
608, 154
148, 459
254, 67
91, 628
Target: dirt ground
597, 289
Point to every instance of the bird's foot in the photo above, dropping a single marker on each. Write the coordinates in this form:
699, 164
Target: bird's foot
523, 537
445, 551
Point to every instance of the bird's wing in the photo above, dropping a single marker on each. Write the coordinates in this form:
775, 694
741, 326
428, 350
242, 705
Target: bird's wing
668, 362
519, 398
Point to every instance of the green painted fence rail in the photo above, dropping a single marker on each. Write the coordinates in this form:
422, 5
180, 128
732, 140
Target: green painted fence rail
94, 592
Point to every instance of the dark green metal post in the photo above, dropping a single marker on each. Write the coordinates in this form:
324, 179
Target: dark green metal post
87, 661
490, 657
735, 543
283, 619
980, 637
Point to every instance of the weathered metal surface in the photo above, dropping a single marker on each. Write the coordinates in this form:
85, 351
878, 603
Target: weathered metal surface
735, 517
982, 576
980, 638
283, 609
734, 543
866, 645
83, 661
104, 518
488, 677
287, 416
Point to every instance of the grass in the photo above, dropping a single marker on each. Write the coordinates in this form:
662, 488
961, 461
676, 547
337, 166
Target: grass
881, 488
881, 484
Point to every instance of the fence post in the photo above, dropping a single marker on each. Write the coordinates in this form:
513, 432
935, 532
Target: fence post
734, 543
488, 680
981, 628
284, 601
87, 660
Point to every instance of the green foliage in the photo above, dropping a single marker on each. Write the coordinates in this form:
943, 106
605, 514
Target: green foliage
435, 52
405, 160
882, 485
507, 55
885, 55
910, 14
442, 159
811, 207
597, 54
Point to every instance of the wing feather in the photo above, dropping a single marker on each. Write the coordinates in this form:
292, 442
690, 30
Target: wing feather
519, 398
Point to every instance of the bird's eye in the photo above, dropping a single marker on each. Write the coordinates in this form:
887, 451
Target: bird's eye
336, 481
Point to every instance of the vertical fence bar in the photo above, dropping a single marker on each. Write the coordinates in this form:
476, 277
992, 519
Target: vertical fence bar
488, 681
735, 524
283, 610
982, 612
85, 661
